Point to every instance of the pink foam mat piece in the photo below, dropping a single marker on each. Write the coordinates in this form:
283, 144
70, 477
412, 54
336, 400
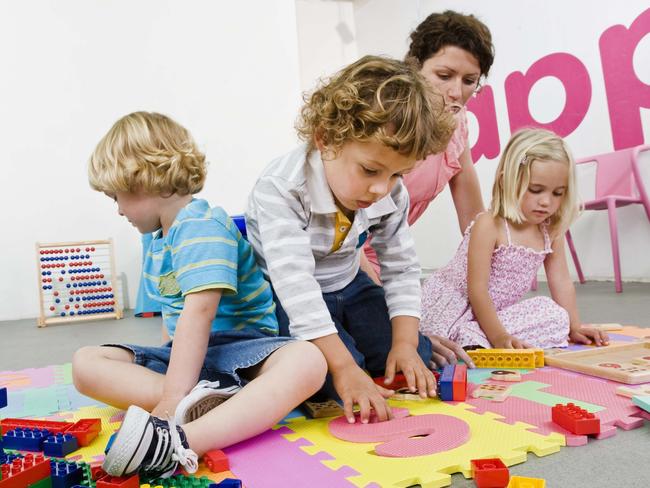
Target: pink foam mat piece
439, 433
28, 378
253, 460
617, 412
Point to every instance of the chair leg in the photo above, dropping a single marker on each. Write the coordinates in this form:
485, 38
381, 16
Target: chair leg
613, 230
533, 285
574, 255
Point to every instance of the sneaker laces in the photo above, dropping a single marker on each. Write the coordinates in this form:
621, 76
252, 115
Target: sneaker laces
185, 456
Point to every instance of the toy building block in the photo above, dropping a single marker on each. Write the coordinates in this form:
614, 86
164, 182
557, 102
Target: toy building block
318, 410
24, 471
109, 481
25, 439
227, 483
642, 402
575, 419
216, 461
507, 358
523, 482
459, 383
44, 483
3, 397
505, 375
85, 430
60, 445
180, 481
628, 391
64, 474
97, 472
492, 392
53, 427
446, 383
490, 473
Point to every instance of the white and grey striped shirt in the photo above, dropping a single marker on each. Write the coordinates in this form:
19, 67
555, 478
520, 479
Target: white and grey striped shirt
290, 223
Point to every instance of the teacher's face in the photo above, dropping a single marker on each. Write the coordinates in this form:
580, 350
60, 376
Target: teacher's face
455, 73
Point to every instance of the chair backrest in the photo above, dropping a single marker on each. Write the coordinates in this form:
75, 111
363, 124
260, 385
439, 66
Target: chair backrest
614, 174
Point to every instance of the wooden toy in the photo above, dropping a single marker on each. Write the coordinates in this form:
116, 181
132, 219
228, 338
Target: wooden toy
611, 362
507, 358
489, 391
605, 327
76, 281
505, 375
629, 392
318, 410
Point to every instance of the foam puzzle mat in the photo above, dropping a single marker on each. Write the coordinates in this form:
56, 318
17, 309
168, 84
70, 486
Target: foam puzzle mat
302, 452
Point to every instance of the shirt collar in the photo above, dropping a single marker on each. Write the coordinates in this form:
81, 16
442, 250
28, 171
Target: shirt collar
322, 200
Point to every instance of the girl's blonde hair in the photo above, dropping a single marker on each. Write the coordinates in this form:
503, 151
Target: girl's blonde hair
150, 152
380, 99
513, 177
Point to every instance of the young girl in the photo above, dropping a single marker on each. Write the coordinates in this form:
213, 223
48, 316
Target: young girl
477, 298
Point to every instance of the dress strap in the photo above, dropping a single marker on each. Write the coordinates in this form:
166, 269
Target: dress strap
505, 222
547, 238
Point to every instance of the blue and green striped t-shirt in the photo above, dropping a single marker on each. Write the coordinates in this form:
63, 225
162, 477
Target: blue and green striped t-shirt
204, 250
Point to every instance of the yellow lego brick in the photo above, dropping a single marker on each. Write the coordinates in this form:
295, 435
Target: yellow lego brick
523, 482
508, 358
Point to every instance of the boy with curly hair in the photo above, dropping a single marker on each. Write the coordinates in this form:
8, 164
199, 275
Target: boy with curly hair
217, 310
312, 209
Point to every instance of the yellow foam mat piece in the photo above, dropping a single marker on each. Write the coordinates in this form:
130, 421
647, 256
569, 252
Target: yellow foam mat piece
489, 438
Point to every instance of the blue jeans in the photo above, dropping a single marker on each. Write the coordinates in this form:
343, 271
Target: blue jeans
360, 315
228, 352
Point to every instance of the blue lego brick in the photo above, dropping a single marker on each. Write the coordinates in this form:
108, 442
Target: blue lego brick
110, 443
446, 390
60, 445
25, 439
65, 475
3, 397
227, 483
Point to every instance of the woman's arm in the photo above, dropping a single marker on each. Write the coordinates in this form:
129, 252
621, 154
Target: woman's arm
466, 191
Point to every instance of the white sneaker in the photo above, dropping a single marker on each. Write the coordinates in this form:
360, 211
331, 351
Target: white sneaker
204, 397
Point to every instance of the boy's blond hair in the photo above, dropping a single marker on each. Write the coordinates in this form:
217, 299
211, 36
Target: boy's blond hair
149, 152
513, 176
380, 99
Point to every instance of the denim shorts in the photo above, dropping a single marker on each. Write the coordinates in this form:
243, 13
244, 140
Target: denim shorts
228, 352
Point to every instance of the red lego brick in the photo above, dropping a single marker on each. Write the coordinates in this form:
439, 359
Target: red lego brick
490, 473
54, 427
85, 430
459, 383
97, 472
399, 381
109, 481
575, 419
216, 461
25, 471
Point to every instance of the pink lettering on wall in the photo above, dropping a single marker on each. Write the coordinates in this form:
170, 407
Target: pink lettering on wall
574, 77
626, 93
482, 106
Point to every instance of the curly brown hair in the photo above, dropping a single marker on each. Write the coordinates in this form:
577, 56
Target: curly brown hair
147, 151
377, 98
451, 28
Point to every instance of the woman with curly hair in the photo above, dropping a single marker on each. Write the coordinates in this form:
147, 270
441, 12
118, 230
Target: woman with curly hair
454, 52
312, 209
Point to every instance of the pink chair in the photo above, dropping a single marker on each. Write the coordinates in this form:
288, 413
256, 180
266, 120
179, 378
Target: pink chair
618, 183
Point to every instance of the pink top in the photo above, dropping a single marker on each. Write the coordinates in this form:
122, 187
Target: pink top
430, 176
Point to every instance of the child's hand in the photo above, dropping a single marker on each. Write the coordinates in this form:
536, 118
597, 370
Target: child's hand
587, 335
404, 357
445, 351
355, 387
507, 341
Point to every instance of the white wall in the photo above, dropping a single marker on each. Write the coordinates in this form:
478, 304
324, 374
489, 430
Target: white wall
233, 73
524, 32
228, 70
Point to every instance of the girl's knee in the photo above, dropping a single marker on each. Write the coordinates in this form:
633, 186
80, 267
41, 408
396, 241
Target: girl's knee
82, 365
313, 366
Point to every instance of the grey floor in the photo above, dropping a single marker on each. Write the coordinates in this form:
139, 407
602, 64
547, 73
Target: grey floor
620, 461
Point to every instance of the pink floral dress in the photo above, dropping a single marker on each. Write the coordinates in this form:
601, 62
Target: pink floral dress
538, 321
429, 177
